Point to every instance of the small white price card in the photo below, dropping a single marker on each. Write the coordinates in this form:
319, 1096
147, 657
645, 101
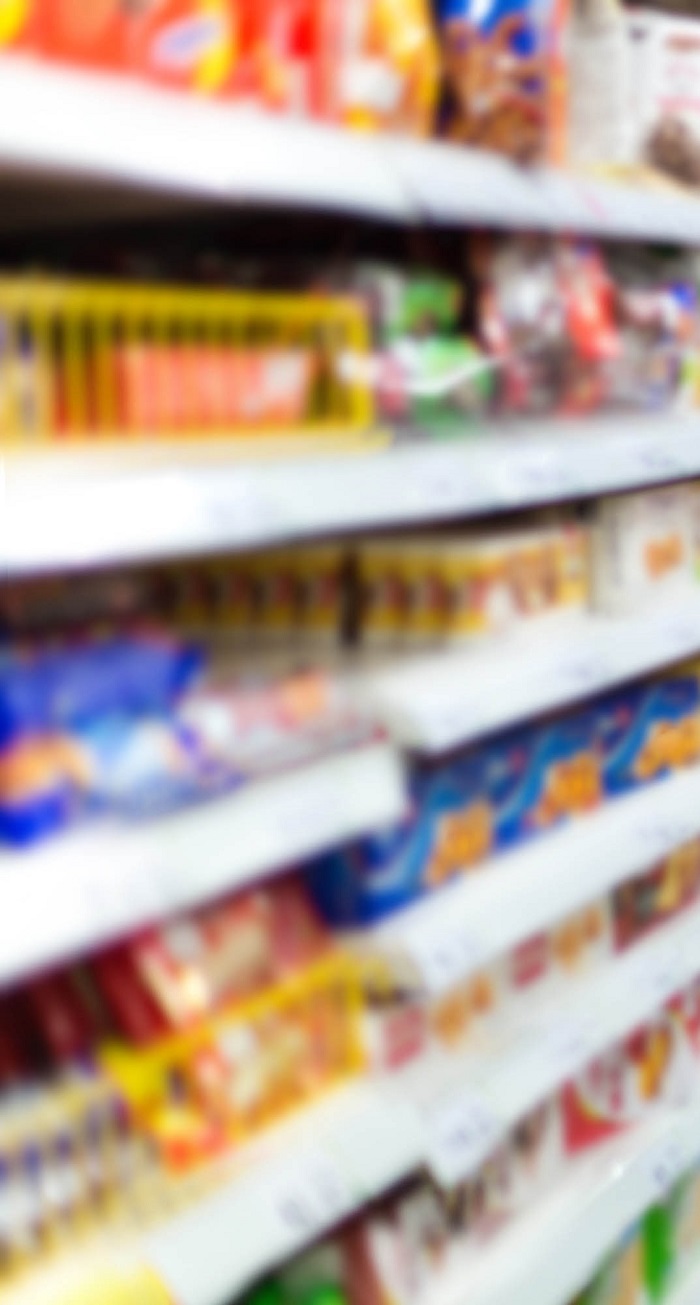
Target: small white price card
461, 1135
310, 1198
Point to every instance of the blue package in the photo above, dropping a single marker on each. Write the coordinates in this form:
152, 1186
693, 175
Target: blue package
647, 731
39, 789
447, 830
542, 774
56, 689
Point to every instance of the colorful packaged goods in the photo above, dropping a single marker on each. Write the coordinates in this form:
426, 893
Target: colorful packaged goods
503, 68
449, 589
654, 1066
98, 35
447, 831
385, 63
642, 549
663, 122
188, 44
672, 1236
648, 731
427, 371
16, 23
547, 320
88, 361
621, 1280
542, 775
652, 899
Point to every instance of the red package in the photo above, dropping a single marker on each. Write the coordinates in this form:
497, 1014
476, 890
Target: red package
66, 1026
282, 50
131, 1006
187, 44
94, 34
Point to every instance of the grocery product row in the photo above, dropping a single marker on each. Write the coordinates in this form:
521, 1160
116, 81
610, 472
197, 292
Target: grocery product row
410, 67
125, 1076
528, 326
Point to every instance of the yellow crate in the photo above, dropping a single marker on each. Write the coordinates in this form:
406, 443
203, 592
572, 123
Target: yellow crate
283, 1048
97, 361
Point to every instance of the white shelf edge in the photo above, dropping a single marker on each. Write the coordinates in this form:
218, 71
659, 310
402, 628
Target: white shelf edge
105, 880
553, 1251
470, 1102
344, 1153
87, 508
62, 124
439, 700
450, 934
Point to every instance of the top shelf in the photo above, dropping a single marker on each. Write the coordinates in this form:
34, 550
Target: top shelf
138, 147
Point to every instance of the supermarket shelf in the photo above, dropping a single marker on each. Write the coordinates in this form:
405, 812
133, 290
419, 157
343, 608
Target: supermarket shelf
469, 187
81, 890
452, 933
74, 508
73, 127
436, 701
341, 1155
552, 1251
61, 126
469, 1102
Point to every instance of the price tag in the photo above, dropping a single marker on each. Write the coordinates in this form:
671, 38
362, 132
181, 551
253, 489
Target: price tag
443, 953
237, 510
461, 1136
661, 978
311, 1198
566, 1046
582, 673
666, 1163
658, 460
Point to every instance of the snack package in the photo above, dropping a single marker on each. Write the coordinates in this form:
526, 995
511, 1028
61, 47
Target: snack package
647, 731
447, 832
658, 319
541, 775
663, 114
231, 1076
651, 899
547, 320
583, 941
653, 1067
188, 44
386, 65
642, 549
16, 24
96, 35
672, 1236
503, 75
621, 1280
185, 970
401, 1025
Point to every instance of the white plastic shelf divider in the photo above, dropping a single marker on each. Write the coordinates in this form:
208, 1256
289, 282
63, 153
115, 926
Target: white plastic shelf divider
60, 124
448, 935
435, 701
469, 1102
89, 887
342, 1155
554, 1250
75, 508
